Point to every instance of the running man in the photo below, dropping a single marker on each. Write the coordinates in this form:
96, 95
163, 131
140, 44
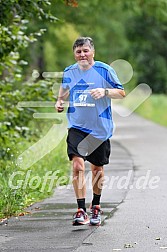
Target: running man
90, 86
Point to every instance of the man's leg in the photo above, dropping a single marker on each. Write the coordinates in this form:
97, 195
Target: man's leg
97, 183
80, 190
79, 177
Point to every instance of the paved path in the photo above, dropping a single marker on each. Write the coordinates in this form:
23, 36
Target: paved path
134, 201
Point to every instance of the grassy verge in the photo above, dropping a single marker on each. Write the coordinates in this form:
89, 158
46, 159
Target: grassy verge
24, 135
154, 109
22, 187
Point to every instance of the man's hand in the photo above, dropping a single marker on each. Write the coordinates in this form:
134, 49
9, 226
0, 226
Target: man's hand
59, 106
97, 93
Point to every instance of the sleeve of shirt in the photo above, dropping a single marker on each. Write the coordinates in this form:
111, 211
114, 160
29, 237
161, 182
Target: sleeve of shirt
112, 79
65, 81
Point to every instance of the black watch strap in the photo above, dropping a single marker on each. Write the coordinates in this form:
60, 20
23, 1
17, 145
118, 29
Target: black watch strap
106, 92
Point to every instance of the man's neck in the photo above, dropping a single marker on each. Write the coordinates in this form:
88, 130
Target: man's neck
86, 67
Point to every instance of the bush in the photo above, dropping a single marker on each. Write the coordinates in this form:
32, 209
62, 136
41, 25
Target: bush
20, 131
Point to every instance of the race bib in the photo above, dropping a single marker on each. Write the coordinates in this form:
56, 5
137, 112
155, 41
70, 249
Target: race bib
82, 98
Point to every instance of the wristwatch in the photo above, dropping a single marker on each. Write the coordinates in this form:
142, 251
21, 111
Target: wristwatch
106, 92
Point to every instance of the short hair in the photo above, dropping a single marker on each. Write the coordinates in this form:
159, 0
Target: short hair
82, 41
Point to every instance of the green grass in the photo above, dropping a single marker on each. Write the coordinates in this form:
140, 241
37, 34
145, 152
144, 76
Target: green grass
154, 109
21, 187
39, 172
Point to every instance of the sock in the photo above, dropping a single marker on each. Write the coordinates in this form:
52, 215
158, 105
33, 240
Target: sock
96, 199
81, 204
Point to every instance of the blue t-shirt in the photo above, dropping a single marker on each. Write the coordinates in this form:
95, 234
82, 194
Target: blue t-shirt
85, 113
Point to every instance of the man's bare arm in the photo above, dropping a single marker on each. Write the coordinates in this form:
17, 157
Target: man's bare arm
113, 93
63, 94
116, 93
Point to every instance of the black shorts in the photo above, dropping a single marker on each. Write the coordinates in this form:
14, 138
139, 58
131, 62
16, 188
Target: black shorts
84, 145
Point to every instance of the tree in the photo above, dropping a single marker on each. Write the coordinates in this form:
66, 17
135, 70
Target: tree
146, 30
14, 19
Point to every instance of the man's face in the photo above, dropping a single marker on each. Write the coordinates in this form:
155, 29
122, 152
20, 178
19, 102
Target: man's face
84, 55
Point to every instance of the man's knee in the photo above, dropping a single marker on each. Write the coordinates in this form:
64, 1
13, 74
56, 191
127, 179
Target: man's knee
78, 165
97, 170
